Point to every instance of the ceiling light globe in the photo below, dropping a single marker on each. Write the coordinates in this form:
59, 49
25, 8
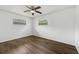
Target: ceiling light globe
32, 11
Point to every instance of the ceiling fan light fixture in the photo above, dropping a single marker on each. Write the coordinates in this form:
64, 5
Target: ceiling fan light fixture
32, 11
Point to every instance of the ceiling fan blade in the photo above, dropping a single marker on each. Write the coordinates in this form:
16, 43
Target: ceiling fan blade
28, 7
27, 11
38, 12
37, 7
32, 13
32, 7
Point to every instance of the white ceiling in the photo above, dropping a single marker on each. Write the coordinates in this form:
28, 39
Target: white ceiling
19, 9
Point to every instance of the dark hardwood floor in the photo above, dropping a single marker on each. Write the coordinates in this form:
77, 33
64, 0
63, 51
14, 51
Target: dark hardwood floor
35, 45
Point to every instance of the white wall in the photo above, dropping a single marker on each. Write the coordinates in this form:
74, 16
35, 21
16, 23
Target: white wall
77, 28
60, 26
10, 31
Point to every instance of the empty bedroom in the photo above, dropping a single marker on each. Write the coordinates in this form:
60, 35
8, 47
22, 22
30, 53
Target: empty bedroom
39, 29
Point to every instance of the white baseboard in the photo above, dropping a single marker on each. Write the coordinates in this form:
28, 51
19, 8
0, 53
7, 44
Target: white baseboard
12, 38
52, 38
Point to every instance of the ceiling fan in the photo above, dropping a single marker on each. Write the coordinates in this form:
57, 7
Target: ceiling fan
33, 9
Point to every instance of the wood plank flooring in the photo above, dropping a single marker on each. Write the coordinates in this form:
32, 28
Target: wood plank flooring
35, 45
